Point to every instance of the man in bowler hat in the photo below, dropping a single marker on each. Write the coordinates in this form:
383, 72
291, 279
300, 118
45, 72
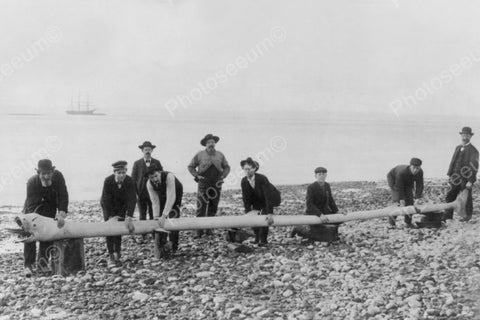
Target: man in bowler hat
118, 203
138, 175
209, 167
462, 172
402, 180
47, 195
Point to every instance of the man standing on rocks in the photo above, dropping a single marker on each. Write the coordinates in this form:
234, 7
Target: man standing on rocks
118, 203
320, 202
47, 195
213, 168
166, 193
402, 180
138, 175
462, 172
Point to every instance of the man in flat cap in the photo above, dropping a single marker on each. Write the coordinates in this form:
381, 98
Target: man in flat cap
402, 180
319, 202
166, 193
209, 167
118, 203
462, 172
138, 175
47, 195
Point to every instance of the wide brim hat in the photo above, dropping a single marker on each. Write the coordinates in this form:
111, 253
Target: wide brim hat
466, 130
45, 165
147, 144
209, 136
251, 162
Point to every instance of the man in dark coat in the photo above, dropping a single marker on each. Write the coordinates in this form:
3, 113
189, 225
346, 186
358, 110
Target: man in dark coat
166, 193
209, 167
319, 202
462, 172
402, 180
118, 203
256, 196
47, 195
138, 175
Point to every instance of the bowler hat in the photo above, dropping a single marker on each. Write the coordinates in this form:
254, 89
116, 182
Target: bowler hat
209, 136
45, 165
415, 162
119, 165
320, 170
147, 144
251, 162
152, 169
466, 130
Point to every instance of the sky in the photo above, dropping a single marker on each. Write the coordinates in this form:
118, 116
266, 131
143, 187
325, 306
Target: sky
174, 58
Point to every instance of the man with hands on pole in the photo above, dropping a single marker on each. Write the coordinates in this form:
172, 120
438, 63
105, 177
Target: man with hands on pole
402, 180
166, 193
118, 204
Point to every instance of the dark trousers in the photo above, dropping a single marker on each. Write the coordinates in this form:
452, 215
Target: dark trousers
114, 244
144, 206
452, 194
174, 236
30, 254
408, 202
261, 233
208, 197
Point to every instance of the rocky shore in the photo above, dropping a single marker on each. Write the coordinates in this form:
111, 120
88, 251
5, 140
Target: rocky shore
371, 273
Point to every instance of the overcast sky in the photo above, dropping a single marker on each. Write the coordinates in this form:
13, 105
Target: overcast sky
366, 55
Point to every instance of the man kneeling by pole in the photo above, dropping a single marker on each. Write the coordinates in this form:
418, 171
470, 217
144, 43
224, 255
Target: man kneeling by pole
166, 193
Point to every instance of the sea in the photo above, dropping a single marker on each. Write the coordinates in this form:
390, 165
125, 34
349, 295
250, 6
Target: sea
288, 146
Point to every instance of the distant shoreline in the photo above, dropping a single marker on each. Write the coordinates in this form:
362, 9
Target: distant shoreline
337, 186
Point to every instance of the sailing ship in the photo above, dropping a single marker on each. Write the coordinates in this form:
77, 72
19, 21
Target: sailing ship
83, 108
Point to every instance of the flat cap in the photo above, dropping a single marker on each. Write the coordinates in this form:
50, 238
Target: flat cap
119, 165
320, 170
415, 162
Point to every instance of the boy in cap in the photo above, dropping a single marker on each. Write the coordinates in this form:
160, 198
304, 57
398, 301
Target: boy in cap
402, 180
118, 203
319, 202
47, 195
462, 172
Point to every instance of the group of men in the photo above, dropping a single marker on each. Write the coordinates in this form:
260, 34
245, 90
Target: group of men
405, 180
159, 193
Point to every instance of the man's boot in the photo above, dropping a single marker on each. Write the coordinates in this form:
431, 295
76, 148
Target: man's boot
111, 260
27, 271
199, 234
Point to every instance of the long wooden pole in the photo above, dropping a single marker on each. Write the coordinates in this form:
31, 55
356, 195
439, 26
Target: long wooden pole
45, 229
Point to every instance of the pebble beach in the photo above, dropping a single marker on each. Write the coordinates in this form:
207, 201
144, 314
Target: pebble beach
372, 272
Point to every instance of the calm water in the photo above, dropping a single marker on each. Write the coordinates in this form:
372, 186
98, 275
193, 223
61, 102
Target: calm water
352, 148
